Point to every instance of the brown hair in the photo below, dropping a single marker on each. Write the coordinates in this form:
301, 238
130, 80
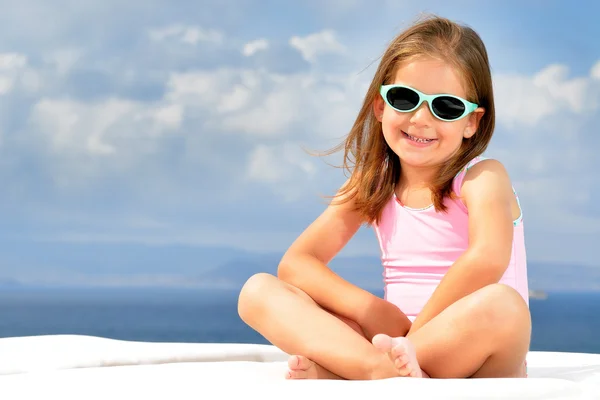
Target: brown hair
376, 168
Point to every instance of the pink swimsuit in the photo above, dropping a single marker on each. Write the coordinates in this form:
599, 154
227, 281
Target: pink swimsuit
418, 246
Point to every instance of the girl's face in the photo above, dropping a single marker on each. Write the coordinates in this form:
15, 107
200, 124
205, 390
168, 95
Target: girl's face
418, 137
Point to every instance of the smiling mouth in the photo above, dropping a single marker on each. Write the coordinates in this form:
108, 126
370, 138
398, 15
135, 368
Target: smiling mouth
416, 139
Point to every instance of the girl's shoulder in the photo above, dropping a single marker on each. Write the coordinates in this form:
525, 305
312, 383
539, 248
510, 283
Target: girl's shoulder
484, 186
474, 169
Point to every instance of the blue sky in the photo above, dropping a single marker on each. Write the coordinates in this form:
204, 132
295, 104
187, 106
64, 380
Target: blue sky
182, 122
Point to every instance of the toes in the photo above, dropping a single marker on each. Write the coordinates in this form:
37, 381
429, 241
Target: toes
299, 363
406, 370
296, 374
390, 345
399, 350
304, 363
401, 361
382, 342
400, 353
405, 358
299, 367
403, 367
293, 362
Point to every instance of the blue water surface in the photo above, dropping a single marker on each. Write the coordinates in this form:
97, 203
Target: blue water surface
562, 322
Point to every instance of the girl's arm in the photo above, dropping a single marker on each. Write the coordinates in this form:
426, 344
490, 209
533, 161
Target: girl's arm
304, 266
488, 195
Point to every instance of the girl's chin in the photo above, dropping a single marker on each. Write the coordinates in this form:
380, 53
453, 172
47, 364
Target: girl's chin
410, 159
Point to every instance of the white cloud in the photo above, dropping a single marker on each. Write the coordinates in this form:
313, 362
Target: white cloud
263, 104
285, 168
64, 60
234, 100
272, 115
274, 164
12, 61
83, 143
595, 71
202, 88
14, 70
73, 127
255, 46
316, 44
6, 85
187, 34
170, 116
549, 93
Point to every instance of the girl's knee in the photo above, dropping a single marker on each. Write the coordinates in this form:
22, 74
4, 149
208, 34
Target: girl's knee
499, 294
502, 307
257, 283
261, 290
253, 294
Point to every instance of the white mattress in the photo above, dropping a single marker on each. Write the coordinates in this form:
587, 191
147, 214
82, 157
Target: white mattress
82, 367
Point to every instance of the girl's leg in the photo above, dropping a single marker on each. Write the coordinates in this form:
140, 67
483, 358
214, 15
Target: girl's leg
485, 334
292, 321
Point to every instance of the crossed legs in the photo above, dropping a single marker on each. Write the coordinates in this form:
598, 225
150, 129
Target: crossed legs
485, 334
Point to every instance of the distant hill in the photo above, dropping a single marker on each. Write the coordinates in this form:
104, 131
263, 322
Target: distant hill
362, 271
31, 261
8, 283
237, 271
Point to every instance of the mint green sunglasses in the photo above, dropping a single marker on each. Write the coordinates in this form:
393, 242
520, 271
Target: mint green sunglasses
445, 107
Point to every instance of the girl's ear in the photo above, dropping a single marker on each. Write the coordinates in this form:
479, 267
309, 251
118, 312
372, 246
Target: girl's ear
473, 123
378, 106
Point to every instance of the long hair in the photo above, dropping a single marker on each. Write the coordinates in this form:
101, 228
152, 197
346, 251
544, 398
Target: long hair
374, 167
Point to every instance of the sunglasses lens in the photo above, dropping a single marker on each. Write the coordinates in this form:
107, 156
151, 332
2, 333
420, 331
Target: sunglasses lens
403, 99
448, 107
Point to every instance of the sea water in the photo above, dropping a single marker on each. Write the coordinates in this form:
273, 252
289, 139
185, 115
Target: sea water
562, 322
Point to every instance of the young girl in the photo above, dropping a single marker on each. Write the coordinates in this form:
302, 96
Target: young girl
448, 223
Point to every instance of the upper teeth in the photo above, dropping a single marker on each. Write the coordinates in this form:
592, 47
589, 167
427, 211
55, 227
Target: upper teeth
419, 140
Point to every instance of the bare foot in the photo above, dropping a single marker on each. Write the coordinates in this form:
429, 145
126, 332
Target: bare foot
301, 367
402, 353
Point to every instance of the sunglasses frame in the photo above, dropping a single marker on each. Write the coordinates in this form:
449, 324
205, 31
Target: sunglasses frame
429, 98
